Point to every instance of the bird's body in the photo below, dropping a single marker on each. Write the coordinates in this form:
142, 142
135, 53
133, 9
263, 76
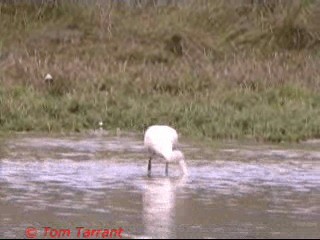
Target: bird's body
161, 140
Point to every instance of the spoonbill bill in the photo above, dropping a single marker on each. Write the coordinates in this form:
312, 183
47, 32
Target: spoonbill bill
161, 141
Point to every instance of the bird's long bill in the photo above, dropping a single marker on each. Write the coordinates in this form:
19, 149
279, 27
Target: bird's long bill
183, 167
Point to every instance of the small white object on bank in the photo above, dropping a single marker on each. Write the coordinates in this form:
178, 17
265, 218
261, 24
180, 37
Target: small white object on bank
48, 78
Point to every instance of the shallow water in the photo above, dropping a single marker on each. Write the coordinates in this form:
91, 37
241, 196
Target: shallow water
100, 182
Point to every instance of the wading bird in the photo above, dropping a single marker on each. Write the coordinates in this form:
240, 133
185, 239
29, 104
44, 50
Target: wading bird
161, 140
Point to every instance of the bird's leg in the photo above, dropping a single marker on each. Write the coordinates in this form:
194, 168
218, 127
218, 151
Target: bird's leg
149, 167
167, 166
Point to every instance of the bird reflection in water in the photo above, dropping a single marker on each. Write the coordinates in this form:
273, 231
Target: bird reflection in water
159, 200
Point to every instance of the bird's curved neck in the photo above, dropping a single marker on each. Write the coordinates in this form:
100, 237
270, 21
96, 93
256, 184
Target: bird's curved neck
168, 155
177, 156
183, 167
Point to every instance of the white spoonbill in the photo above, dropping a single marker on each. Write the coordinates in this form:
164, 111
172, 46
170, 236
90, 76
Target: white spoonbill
161, 140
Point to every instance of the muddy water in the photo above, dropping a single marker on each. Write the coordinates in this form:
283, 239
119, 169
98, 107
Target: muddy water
100, 182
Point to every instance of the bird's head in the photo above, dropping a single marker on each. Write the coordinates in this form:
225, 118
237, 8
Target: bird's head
178, 156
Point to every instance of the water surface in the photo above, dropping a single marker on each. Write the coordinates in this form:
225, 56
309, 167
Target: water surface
100, 182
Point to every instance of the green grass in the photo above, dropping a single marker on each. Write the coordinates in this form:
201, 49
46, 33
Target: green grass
219, 72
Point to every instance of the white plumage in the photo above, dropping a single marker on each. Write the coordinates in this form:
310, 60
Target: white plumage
161, 140
48, 78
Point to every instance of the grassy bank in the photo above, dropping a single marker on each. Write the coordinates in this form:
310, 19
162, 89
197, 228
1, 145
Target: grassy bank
212, 70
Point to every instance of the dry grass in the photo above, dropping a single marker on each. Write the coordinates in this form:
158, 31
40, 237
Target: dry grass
180, 65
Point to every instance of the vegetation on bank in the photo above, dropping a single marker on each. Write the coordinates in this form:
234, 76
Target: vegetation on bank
213, 69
